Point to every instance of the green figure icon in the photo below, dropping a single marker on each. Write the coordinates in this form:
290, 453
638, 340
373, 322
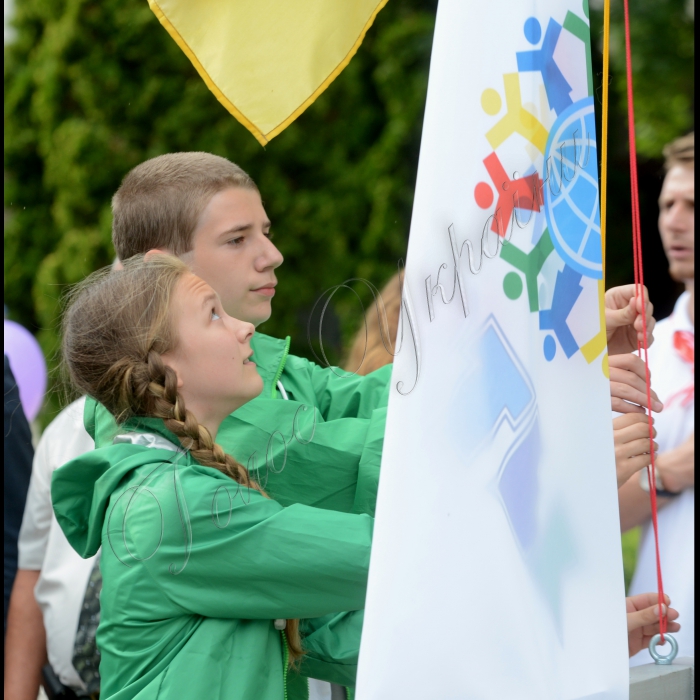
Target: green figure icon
530, 265
580, 29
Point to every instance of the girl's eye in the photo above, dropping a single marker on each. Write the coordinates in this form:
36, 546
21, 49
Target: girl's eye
214, 315
236, 241
269, 235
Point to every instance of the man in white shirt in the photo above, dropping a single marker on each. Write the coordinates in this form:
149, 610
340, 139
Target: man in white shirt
50, 573
672, 363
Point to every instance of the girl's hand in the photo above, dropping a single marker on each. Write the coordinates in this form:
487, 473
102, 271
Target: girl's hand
643, 619
632, 445
628, 390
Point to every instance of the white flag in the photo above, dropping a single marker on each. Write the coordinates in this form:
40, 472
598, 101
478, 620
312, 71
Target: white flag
496, 568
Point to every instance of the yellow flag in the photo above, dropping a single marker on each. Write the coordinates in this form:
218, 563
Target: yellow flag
267, 60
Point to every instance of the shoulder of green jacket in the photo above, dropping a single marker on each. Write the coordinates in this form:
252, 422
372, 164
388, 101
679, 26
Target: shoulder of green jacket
81, 489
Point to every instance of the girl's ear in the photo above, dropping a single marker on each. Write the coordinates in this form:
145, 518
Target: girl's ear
171, 362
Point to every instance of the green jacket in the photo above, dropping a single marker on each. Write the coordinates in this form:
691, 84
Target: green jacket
196, 569
321, 447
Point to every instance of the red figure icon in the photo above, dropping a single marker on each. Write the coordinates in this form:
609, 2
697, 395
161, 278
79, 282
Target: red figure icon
523, 193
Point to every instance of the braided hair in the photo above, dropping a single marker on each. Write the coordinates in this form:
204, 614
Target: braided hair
116, 328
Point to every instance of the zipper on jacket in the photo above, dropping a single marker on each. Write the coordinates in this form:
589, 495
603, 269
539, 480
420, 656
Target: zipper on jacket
285, 654
280, 369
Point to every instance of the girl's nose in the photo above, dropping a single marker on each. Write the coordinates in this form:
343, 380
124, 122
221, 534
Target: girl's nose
245, 331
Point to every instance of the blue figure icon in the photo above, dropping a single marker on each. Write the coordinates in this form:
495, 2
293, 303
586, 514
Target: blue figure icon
567, 290
542, 61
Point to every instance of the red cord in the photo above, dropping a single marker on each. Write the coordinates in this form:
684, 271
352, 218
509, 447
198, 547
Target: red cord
643, 347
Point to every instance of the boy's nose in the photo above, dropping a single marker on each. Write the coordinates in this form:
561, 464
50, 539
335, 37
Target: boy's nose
270, 257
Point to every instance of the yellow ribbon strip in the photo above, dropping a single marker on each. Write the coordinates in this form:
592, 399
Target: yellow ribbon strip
604, 135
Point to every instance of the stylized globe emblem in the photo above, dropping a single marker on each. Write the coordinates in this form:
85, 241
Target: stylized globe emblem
571, 189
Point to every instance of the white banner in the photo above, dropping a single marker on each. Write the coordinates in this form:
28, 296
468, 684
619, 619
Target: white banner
496, 567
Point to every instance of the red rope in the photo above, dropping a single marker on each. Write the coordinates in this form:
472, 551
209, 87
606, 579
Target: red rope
643, 347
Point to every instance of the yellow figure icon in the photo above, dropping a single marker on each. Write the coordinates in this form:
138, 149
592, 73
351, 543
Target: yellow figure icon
517, 120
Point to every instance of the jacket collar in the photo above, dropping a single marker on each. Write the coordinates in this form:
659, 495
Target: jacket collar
149, 426
270, 355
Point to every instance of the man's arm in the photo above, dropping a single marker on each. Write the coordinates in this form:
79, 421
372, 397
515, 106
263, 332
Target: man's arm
677, 471
25, 641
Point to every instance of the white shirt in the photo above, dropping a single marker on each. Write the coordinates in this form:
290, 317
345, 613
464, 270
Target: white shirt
670, 375
43, 546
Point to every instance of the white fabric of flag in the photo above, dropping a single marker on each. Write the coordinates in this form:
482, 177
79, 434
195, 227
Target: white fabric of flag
496, 566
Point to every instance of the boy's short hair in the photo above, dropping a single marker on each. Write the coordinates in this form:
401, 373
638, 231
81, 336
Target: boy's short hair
680, 152
160, 201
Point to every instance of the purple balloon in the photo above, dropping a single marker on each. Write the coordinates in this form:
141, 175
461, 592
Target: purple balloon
28, 366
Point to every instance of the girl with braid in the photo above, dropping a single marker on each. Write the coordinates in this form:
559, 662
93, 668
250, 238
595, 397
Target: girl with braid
204, 576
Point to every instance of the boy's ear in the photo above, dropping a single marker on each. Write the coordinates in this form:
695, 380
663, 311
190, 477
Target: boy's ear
156, 251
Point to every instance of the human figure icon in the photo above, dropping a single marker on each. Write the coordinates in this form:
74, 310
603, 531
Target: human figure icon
567, 290
542, 60
521, 193
517, 119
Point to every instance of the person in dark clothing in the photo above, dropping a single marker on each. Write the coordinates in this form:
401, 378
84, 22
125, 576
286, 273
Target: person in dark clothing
18, 469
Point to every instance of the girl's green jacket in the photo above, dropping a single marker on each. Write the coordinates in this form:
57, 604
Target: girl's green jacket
196, 569
320, 444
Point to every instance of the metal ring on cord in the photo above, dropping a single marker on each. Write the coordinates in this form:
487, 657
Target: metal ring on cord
659, 658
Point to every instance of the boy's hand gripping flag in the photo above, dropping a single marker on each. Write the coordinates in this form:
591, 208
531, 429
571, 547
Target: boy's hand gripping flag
267, 61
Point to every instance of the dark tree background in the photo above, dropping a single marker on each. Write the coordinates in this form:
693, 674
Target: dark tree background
94, 88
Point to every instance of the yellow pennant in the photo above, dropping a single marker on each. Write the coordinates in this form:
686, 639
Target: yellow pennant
267, 60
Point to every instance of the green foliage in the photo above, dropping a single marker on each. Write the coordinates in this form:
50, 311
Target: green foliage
94, 88
630, 545
663, 48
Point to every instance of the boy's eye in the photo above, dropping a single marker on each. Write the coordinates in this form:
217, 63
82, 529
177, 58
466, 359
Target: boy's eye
214, 315
236, 241
269, 235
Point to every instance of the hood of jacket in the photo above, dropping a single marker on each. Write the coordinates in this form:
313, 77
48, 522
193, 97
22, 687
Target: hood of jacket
81, 488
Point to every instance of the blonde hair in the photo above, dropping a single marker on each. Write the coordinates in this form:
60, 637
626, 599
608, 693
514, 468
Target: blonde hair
115, 330
371, 347
161, 200
680, 152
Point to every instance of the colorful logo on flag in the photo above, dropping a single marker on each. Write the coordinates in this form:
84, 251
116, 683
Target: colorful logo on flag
563, 198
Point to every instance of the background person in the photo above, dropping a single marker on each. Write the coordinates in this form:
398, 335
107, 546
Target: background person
52, 579
18, 468
374, 342
672, 361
